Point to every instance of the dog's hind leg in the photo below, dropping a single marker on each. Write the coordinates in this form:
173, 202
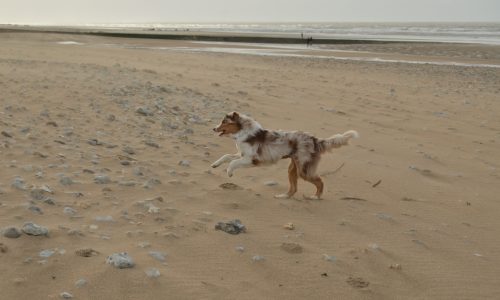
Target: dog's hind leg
225, 158
292, 178
319, 187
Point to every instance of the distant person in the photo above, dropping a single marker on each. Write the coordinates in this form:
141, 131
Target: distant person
309, 41
302, 35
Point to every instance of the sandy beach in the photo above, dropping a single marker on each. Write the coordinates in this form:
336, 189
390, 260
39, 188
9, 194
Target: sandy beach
107, 143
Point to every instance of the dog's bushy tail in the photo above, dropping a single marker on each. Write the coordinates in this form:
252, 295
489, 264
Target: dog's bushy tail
338, 140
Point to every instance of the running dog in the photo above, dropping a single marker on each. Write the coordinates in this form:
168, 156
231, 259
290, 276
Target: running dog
258, 147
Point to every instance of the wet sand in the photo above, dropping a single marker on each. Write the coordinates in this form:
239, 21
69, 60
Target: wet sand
108, 144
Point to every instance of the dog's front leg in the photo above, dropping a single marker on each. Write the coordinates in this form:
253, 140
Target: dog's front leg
243, 162
225, 158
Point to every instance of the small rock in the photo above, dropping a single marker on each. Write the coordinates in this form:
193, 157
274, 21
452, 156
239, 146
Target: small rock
66, 180
271, 183
160, 256
293, 248
11, 232
125, 163
232, 227
35, 209
153, 273
128, 150
184, 163
86, 252
230, 186
289, 226
3, 248
46, 253
144, 244
66, 295
395, 267
240, 248
144, 111
150, 183
6, 134
19, 183
104, 219
258, 258
357, 282
81, 283
151, 144
102, 179
329, 257
34, 229
120, 260
69, 211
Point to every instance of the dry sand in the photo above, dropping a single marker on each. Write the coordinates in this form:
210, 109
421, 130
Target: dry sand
410, 211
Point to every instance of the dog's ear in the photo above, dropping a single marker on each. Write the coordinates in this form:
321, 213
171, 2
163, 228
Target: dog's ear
234, 116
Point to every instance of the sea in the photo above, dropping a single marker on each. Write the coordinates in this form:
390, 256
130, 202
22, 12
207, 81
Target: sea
483, 33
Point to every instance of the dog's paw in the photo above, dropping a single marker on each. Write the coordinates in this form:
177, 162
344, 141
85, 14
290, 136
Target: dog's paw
313, 197
282, 196
215, 165
229, 173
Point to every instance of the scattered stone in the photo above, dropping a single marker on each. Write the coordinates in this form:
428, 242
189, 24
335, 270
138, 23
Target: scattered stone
160, 256
35, 209
3, 248
184, 163
258, 258
104, 219
6, 134
150, 183
230, 186
75, 232
46, 253
81, 283
271, 183
357, 282
153, 273
19, 183
293, 248
151, 144
329, 257
383, 216
102, 179
66, 180
66, 295
144, 244
128, 150
11, 232
153, 209
144, 111
289, 226
125, 163
232, 227
34, 229
69, 211
240, 248
120, 260
395, 267
374, 246
86, 252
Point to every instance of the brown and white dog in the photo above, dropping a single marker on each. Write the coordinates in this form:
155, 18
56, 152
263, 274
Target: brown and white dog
257, 147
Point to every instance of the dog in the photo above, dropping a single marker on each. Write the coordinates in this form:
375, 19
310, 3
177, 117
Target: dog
259, 147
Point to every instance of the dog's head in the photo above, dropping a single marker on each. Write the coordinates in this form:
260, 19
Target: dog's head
229, 125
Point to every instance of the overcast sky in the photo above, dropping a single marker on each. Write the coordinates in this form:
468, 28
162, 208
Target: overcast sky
128, 11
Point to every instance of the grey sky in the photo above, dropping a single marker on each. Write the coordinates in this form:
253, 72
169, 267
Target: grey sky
127, 11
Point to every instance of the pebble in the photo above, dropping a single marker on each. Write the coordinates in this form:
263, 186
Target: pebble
81, 283
35, 209
231, 227
289, 226
19, 183
3, 248
102, 179
160, 256
144, 111
271, 183
293, 248
66, 180
230, 186
86, 252
104, 219
153, 273
184, 163
151, 183
34, 229
395, 267
66, 295
144, 244
120, 260
329, 257
46, 253
11, 232
69, 211
128, 150
240, 248
258, 258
